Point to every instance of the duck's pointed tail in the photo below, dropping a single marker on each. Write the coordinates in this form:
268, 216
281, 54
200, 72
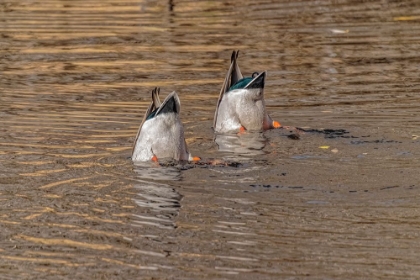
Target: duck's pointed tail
171, 104
257, 82
232, 77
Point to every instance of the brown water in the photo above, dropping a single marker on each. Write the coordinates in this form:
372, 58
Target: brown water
76, 78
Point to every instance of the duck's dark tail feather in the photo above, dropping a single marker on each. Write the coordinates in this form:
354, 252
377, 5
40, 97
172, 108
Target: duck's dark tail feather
257, 82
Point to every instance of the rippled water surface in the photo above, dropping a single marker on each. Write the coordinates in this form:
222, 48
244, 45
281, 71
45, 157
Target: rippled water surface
76, 78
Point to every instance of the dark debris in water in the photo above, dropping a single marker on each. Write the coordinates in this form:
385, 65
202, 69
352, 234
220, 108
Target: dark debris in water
264, 186
329, 133
267, 186
201, 164
293, 136
378, 141
218, 163
342, 133
410, 187
389, 187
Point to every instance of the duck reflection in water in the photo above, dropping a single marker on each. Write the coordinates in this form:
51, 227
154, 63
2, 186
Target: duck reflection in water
159, 202
242, 144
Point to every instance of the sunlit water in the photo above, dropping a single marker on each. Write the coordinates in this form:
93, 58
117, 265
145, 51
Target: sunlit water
76, 78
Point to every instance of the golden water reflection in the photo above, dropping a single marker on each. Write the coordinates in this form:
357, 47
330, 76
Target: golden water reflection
75, 81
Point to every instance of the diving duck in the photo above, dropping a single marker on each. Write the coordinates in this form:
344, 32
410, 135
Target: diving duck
241, 104
161, 134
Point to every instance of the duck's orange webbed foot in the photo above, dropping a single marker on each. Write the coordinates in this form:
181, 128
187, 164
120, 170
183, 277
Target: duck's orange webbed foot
195, 159
276, 124
242, 130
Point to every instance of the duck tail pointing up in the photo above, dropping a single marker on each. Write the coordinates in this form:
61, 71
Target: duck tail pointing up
257, 82
171, 104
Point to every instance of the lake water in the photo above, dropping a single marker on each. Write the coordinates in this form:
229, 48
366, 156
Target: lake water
339, 203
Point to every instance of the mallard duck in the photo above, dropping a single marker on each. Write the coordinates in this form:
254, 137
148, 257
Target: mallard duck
161, 134
241, 104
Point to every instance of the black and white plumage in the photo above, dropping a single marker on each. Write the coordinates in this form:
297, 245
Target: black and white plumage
161, 134
241, 104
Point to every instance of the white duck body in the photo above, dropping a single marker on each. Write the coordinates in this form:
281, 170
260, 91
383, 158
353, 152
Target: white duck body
162, 134
243, 107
